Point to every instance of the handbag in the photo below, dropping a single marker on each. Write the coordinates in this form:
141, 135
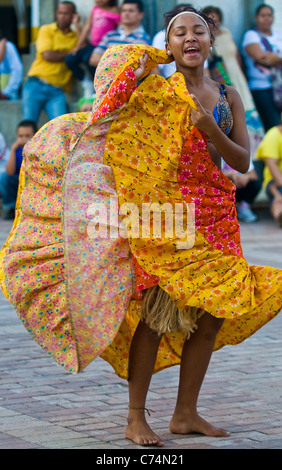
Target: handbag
276, 77
218, 71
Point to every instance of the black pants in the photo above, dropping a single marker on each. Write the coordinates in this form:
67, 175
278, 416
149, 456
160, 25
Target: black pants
269, 113
73, 62
249, 193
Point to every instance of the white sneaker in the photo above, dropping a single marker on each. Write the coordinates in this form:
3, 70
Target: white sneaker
245, 213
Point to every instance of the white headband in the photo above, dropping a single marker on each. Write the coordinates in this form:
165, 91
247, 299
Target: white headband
185, 13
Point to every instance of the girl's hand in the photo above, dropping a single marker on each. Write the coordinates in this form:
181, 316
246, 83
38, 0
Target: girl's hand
202, 118
141, 69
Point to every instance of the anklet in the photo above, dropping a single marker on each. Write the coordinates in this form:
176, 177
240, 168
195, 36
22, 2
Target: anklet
143, 409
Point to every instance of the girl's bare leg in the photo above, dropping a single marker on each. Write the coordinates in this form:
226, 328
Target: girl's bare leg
143, 353
195, 359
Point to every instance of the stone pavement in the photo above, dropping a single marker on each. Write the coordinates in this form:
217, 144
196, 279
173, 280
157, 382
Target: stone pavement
43, 407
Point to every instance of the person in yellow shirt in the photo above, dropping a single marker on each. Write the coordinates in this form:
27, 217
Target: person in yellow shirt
49, 77
270, 151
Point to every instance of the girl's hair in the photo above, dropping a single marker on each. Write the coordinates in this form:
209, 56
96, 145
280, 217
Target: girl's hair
172, 13
210, 9
260, 7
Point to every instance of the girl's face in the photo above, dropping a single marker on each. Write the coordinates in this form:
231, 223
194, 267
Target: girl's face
189, 41
264, 19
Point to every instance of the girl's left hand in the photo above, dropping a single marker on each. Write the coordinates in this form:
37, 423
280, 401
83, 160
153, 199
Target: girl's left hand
141, 69
202, 118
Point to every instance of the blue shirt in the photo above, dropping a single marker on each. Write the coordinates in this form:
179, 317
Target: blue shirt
19, 160
117, 36
11, 72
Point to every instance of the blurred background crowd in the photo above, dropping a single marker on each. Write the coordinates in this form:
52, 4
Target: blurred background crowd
49, 52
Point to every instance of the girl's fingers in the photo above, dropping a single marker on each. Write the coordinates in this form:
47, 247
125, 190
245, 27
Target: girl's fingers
143, 59
197, 102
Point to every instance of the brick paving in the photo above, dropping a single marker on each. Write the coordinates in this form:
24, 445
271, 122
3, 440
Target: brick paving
43, 407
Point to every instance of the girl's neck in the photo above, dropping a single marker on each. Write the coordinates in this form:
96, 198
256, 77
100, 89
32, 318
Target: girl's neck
194, 78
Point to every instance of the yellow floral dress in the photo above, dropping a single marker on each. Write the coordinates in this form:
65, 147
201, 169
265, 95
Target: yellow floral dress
138, 147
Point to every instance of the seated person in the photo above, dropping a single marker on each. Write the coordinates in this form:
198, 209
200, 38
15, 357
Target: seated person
11, 70
130, 31
49, 78
103, 18
9, 180
270, 151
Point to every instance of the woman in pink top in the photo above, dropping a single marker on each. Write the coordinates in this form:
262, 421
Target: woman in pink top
104, 17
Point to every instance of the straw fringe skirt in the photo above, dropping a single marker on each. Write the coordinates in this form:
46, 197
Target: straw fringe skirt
161, 314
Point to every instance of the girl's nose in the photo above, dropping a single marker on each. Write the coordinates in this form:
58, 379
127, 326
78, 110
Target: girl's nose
189, 36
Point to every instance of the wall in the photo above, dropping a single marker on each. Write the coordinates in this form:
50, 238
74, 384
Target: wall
84, 8
277, 5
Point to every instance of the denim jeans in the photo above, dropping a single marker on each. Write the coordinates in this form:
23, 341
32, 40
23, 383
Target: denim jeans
8, 190
38, 95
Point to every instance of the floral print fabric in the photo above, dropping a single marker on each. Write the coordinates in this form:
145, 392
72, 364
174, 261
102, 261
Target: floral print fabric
139, 146
33, 267
155, 159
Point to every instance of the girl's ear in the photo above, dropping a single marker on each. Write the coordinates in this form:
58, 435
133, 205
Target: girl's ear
168, 51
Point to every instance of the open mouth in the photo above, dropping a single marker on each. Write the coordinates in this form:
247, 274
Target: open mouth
191, 51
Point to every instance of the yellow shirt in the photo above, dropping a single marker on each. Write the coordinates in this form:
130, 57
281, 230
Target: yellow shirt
50, 37
270, 147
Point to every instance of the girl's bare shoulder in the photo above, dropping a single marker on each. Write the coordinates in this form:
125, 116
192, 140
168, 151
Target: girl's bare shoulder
232, 94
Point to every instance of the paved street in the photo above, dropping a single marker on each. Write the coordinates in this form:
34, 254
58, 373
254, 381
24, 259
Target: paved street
43, 407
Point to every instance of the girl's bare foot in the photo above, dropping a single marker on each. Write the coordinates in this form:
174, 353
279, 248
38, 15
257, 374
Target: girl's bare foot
139, 431
188, 423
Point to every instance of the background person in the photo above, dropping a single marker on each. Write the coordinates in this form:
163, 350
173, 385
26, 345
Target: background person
11, 70
49, 77
258, 61
130, 31
270, 151
104, 17
9, 179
